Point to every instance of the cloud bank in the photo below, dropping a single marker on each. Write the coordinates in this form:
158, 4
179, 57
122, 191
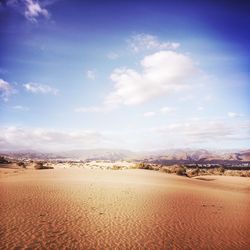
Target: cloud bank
16, 138
192, 133
204, 131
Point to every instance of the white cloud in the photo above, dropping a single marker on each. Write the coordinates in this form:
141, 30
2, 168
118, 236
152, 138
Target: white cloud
40, 88
208, 98
234, 115
186, 98
142, 42
47, 139
90, 74
149, 114
112, 56
6, 90
94, 109
167, 110
88, 109
163, 110
200, 108
33, 10
21, 108
162, 72
203, 131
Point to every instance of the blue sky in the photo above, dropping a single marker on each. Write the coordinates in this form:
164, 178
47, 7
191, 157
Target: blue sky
140, 75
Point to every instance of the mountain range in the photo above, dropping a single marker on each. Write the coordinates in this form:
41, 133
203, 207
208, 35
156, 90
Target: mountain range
173, 155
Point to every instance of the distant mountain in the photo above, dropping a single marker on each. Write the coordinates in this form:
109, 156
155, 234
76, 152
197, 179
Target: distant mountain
163, 156
99, 154
244, 155
30, 154
201, 156
88, 154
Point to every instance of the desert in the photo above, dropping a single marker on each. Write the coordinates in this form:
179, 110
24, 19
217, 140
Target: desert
124, 125
83, 208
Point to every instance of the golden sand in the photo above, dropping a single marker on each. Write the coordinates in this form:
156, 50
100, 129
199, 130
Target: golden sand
124, 209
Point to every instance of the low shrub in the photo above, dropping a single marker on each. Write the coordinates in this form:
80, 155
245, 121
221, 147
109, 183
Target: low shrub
3, 160
115, 167
221, 170
21, 164
142, 165
40, 165
180, 170
193, 172
165, 170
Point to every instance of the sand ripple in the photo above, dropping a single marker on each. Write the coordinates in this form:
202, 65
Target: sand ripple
134, 209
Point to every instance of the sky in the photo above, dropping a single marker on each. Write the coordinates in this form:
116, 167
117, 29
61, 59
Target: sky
137, 75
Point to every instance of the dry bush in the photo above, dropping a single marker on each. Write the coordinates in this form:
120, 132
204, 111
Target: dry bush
241, 173
221, 170
193, 172
115, 167
165, 170
3, 160
174, 169
156, 168
142, 165
21, 164
40, 165
139, 165
180, 170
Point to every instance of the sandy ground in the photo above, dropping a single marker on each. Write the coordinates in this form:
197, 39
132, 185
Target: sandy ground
95, 165
122, 209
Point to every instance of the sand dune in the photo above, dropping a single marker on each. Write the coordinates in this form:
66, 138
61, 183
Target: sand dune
127, 209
